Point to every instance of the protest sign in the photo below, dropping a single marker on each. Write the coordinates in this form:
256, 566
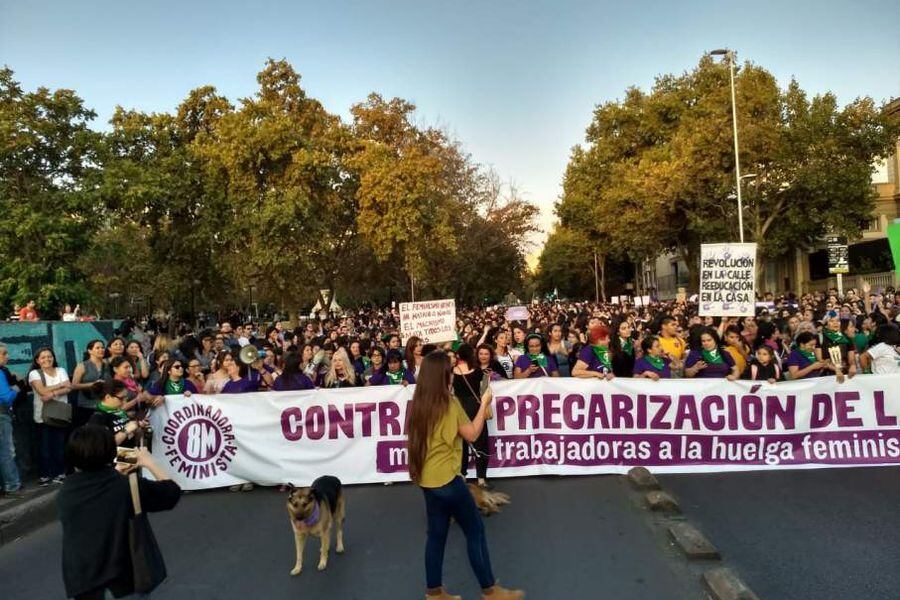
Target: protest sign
727, 280
541, 426
433, 321
838, 255
517, 313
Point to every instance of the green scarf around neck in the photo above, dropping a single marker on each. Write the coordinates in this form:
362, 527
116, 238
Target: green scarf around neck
810, 356
836, 337
540, 359
713, 357
627, 346
174, 387
602, 354
395, 378
118, 412
658, 362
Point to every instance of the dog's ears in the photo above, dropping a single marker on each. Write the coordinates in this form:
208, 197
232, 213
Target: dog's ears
291, 488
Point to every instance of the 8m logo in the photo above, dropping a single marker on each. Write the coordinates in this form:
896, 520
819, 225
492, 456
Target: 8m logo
199, 441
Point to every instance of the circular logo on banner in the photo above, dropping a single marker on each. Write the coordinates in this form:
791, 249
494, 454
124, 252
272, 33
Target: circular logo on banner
199, 441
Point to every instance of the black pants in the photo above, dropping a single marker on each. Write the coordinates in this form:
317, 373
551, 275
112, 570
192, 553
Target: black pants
471, 406
481, 456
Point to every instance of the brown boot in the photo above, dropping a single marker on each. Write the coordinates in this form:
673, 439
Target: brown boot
499, 593
440, 594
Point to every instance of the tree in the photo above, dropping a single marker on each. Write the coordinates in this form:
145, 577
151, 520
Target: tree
50, 210
657, 172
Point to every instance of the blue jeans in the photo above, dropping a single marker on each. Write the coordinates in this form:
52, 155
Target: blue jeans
53, 445
454, 500
9, 474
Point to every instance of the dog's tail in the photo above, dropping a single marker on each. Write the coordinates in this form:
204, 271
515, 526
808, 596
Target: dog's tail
495, 499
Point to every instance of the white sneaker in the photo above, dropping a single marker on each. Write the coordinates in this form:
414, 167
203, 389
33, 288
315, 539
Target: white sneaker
44, 481
59, 479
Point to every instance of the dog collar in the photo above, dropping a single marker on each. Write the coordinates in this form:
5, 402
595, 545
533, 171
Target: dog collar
312, 519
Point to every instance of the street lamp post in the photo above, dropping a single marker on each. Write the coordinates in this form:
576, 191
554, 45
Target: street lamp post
729, 56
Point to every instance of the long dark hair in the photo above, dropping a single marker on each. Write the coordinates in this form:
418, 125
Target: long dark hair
167, 366
430, 402
291, 365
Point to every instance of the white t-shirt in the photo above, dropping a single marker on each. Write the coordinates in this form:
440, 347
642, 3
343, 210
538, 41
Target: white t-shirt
59, 377
885, 360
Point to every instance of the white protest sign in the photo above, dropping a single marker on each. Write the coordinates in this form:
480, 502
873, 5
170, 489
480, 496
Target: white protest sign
727, 280
433, 321
517, 313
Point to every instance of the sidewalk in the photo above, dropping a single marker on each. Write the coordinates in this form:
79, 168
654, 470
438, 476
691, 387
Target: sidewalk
35, 507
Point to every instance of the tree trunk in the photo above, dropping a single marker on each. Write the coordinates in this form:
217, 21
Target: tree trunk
596, 280
603, 277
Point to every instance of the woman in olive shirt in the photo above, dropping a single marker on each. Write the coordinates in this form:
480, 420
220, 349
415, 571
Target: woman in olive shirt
437, 426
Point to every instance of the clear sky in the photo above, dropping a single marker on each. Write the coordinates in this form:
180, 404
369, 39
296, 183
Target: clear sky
515, 81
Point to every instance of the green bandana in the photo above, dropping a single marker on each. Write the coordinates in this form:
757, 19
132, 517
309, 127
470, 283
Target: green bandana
602, 354
712, 358
836, 337
395, 378
173, 388
367, 362
118, 412
540, 359
810, 356
519, 347
657, 362
627, 346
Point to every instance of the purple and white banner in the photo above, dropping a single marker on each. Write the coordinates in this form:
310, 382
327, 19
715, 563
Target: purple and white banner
545, 426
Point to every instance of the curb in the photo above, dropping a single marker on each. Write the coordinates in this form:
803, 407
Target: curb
724, 584
693, 543
26, 516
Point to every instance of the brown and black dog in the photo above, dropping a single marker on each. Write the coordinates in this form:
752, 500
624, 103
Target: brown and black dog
488, 502
314, 510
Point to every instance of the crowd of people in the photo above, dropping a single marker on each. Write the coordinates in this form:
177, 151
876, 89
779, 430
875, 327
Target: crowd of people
120, 379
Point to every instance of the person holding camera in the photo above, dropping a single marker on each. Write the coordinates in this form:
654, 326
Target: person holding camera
98, 511
88, 378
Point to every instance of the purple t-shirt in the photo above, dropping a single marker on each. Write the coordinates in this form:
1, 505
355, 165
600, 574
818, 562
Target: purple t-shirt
711, 371
642, 365
241, 386
380, 377
801, 362
587, 356
297, 382
523, 362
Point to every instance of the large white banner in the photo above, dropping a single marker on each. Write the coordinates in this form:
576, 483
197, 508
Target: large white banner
542, 426
433, 321
727, 280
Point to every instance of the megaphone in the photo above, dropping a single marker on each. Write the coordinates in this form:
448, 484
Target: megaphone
319, 358
249, 354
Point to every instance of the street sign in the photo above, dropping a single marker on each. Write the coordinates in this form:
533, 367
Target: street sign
838, 254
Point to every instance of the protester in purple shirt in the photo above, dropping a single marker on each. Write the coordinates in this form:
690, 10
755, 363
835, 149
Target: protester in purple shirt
537, 360
710, 360
802, 362
173, 381
292, 377
239, 381
394, 373
595, 359
653, 364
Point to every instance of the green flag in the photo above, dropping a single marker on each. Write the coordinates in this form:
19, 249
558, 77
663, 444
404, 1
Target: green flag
893, 233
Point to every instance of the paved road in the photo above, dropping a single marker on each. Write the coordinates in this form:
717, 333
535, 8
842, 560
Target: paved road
575, 537
825, 534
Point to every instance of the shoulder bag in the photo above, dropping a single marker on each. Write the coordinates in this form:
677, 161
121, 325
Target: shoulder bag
148, 567
55, 413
